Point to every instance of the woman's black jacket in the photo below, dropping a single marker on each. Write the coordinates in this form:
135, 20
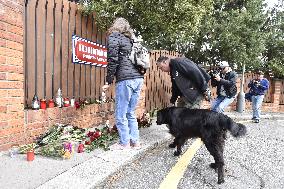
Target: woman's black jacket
119, 64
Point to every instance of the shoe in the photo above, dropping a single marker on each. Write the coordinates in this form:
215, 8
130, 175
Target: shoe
256, 121
136, 146
118, 146
253, 118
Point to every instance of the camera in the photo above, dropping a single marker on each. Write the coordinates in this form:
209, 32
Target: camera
214, 73
256, 82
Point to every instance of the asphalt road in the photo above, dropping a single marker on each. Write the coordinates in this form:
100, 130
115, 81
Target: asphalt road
254, 161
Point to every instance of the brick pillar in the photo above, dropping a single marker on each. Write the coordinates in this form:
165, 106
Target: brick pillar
11, 73
276, 84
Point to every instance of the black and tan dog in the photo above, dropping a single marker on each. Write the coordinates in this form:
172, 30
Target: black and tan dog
210, 126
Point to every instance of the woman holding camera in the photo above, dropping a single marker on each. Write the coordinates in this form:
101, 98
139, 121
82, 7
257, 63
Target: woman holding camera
258, 87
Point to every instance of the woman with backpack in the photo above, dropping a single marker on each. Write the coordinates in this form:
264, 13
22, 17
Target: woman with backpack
129, 82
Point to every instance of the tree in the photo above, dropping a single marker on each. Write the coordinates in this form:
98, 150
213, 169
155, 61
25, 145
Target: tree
207, 31
163, 24
274, 53
232, 33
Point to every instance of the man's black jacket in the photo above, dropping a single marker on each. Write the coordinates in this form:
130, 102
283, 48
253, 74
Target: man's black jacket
229, 82
188, 79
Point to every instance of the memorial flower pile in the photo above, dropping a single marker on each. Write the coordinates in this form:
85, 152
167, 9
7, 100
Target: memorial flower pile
61, 141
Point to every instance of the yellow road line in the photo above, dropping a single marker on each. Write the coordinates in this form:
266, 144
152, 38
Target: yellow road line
172, 179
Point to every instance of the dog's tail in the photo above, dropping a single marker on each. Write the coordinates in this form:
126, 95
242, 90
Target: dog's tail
237, 129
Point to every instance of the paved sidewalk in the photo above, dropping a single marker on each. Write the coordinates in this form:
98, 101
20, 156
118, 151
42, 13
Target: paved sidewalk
248, 115
85, 170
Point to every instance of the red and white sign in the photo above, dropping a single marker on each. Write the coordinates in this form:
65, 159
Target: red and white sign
88, 52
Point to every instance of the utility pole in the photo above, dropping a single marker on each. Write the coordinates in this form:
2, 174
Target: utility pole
241, 95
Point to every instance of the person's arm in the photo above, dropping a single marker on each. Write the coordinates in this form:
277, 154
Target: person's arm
214, 83
230, 82
264, 84
112, 56
250, 84
175, 92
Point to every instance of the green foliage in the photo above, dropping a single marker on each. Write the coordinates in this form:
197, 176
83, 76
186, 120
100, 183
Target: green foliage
207, 31
163, 24
54, 149
277, 68
274, 53
27, 147
232, 33
104, 141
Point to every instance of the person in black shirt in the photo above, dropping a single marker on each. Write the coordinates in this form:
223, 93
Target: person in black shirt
189, 81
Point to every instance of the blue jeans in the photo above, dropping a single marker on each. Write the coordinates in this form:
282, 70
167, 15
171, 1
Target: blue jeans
221, 103
127, 94
256, 104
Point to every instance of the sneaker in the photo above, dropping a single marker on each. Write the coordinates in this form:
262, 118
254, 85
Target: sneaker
136, 146
253, 118
118, 146
256, 121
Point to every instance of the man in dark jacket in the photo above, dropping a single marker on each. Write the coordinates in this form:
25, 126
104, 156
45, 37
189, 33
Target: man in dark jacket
258, 88
226, 87
189, 81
